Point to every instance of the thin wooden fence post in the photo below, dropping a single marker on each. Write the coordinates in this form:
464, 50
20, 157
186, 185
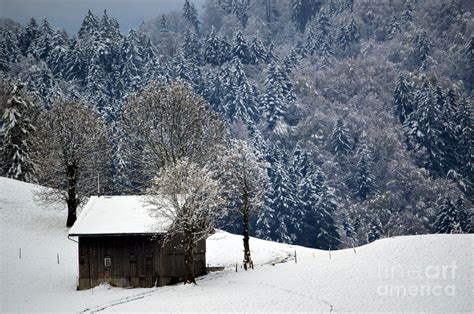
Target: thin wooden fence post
296, 260
58, 258
329, 253
19, 254
235, 267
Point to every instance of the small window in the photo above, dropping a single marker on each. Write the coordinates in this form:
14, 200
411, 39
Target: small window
133, 258
82, 259
107, 261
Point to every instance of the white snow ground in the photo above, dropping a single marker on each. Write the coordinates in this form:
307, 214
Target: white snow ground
432, 273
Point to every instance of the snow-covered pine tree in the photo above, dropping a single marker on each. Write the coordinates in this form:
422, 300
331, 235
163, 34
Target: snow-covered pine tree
353, 28
465, 216
468, 58
343, 39
190, 15
327, 234
271, 56
422, 49
464, 141
273, 101
393, 28
89, 26
240, 48
16, 131
240, 102
447, 218
407, 14
311, 42
43, 44
212, 52
192, 50
425, 129
340, 142
258, 52
28, 36
58, 55
403, 98
131, 63
364, 178
282, 200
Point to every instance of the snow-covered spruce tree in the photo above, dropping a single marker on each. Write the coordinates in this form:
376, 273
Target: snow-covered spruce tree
423, 47
257, 51
212, 51
424, 129
190, 15
189, 195
364, 179
271, 55
343, 39
75, 66
192, 50
57, 57
239, 102
244, 176
72, 150
403, 98
468, 58
16, 129
327, 234
447, 219
171, 122
240, 48
407, 14
28, 36
89, 26
353, 28
393, 28
464, 142
465, 216
131, 62
282, 200
43, 44
340, 142
278, 95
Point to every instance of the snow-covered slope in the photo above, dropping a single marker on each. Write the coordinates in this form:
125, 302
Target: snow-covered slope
417, 273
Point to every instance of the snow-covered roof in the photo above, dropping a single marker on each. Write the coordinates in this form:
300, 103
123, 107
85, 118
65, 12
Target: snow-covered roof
118, 215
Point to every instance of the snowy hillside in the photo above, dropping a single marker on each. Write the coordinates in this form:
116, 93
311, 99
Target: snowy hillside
413, 273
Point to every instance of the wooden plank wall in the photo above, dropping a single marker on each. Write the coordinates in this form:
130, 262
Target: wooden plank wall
150, 264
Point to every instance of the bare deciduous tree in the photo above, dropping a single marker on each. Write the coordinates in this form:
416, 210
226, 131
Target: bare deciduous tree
246, 183
170, 122
72, 151
178, 136
196, 204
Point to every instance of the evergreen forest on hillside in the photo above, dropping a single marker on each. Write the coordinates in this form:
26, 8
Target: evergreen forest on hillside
361, 110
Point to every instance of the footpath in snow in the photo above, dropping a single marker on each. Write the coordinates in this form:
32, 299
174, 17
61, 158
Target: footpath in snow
432, 273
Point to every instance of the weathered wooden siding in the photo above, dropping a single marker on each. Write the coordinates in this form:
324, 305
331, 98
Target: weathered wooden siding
135, 261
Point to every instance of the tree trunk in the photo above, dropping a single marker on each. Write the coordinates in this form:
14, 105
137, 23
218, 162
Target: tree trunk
72, 200
189, 258
246, 214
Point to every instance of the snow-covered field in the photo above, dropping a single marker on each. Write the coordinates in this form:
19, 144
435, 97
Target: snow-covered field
432, 273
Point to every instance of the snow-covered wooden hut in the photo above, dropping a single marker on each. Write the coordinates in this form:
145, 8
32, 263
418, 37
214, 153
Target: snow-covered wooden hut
120, 243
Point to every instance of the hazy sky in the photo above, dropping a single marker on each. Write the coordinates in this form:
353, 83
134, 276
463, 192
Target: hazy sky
68, 14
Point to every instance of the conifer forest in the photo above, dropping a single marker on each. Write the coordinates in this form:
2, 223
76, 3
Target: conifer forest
360, 112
